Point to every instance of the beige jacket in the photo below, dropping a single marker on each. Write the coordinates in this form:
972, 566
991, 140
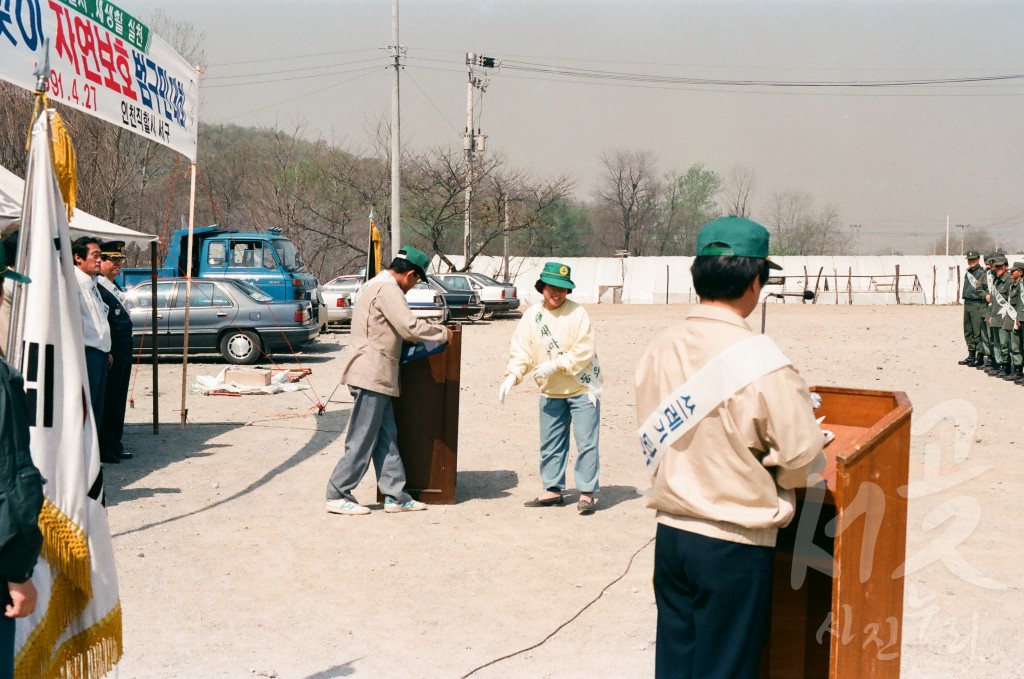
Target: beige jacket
381, 320
731, 476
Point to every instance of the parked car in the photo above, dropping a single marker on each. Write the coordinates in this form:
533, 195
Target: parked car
511, 294
340, 296
494, 297
230, 317
426, 302
459, 303
320, 311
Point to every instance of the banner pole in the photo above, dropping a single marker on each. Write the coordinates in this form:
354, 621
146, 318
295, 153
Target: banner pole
188, 296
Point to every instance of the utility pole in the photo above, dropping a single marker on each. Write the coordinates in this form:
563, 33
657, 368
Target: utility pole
396, 139
947, 235
963, 230
856, 237
472, 141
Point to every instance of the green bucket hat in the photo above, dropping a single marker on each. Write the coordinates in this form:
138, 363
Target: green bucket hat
417, 258
557, 274
7, 271
736, 236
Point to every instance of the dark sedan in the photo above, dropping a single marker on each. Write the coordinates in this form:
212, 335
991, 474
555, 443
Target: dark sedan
230, 317
458, 303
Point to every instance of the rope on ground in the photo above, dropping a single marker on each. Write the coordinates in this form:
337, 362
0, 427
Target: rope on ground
567, 622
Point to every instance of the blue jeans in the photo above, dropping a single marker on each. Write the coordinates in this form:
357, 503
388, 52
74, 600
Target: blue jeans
556, 414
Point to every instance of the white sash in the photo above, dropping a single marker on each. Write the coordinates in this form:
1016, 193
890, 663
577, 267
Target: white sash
1004, 306
590, 377
971, 280
708, 388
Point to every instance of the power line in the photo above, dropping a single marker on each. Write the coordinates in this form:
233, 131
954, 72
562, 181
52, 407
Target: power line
295, 56
289, 70
300, 77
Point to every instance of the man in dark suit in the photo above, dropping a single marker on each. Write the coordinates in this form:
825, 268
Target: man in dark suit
111, 427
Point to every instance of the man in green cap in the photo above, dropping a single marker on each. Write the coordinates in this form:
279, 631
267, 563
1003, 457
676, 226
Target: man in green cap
555, 341
974, 290
381, 321
1001, 317
728, 432
986, 361
1017, 335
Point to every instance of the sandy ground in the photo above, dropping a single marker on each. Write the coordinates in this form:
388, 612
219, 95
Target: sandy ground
230, 567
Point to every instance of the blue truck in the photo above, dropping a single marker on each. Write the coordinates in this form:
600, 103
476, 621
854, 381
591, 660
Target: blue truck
267, 260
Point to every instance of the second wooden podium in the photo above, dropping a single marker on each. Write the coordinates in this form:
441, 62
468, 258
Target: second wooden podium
837, 602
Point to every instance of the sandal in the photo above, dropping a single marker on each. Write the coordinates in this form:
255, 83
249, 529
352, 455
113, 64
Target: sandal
558, 501
585, 507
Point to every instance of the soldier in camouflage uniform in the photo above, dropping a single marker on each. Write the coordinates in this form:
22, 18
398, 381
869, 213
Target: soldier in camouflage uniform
1002, 318
975, 288
1017, 336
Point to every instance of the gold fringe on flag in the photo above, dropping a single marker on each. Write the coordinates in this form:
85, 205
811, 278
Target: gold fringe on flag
65, 164
65, 546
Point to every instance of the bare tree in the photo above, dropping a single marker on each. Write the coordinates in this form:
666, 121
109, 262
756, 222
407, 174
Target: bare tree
738, 191
628, 195
798, 230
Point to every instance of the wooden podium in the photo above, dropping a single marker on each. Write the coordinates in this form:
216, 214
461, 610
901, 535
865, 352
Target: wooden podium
837, 600
427, 414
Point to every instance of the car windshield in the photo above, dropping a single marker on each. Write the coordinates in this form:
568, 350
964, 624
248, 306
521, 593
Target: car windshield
290, 258
252, 291
346, 283
487, 279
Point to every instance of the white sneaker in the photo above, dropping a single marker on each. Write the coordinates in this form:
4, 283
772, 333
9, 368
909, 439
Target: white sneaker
347, 507
391, 507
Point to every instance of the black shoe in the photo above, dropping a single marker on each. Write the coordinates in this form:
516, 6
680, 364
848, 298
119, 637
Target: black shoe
125, 455
967, 361
982, 362
110, 459
586, 508
546, 502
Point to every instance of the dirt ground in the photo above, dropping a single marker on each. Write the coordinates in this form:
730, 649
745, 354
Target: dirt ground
230, 567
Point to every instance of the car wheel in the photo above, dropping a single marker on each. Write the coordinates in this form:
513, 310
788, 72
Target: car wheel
488, 314
478, 316
241, 347
439, 320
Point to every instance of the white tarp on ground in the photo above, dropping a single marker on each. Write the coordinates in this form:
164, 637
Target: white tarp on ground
12, 188
922, 279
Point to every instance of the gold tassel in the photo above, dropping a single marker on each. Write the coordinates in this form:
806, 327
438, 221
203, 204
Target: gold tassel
65, 546
65, 165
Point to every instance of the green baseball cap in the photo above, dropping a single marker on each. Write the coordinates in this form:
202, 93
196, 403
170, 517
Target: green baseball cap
735, 236
7, 271
417, 258
557, 274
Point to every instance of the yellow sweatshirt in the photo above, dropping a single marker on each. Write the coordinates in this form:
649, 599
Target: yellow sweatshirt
564, 335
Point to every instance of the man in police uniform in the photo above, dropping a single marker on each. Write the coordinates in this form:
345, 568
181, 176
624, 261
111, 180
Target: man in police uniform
111, 427
974, 290
1000, 317
1017, 334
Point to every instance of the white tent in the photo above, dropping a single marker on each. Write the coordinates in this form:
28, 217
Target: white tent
12, 188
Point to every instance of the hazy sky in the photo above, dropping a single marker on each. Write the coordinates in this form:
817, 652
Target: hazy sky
896, 160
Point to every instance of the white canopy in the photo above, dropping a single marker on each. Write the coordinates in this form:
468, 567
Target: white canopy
12, 188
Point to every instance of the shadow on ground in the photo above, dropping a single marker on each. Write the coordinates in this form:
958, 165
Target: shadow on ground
165, 449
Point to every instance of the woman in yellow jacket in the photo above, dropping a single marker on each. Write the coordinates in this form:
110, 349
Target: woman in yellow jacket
554, 340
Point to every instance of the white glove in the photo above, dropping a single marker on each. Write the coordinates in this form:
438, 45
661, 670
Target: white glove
506, 388
829, 436
592, 397
544, 370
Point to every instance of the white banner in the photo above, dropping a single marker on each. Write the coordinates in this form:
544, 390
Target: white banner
75, 630
105, 62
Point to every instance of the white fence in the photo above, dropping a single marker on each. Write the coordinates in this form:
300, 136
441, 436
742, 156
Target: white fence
666, 280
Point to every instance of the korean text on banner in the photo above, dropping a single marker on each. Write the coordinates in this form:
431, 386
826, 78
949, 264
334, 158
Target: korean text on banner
105, 62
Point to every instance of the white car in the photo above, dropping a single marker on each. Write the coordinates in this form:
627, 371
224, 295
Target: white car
340, 296
427, 303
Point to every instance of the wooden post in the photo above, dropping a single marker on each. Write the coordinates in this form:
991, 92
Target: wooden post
817, 284
154, 361
935, 275
958, 279
896, 284
849, 284
835, 274
666, 283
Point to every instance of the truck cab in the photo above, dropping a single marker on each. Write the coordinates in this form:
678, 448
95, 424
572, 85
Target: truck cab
269, 261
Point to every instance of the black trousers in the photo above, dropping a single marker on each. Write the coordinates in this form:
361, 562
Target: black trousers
714, 601
112, 425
